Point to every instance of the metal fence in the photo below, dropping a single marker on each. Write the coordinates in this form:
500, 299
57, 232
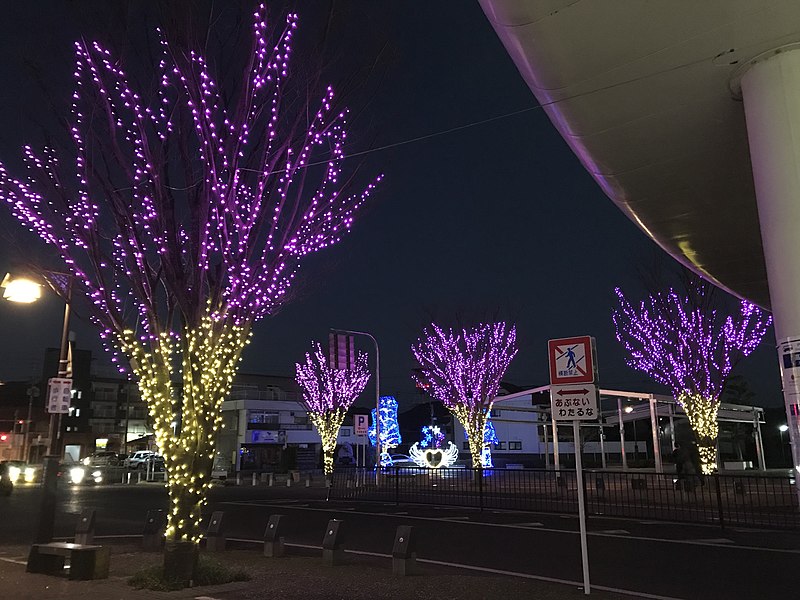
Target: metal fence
743, 500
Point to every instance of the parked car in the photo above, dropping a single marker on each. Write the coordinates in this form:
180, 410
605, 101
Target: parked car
138, 459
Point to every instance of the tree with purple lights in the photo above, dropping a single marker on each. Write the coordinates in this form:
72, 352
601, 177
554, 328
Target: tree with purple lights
463, 370
691, 348
328, 392
183, 215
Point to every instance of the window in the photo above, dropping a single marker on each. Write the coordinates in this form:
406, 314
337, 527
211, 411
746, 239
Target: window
345, 432
515, 445
500, 445
263, 416
496, 413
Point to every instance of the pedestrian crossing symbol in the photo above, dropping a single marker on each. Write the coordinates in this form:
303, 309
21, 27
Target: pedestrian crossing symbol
571, 360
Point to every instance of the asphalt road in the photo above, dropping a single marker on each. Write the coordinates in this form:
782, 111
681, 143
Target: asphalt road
662, 559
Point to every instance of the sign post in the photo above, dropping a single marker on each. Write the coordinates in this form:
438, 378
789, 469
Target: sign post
574, 397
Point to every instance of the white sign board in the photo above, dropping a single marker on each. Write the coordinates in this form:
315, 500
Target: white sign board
59, 394
574, 402
361, 424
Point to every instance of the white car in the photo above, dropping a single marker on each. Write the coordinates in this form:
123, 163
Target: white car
139, 459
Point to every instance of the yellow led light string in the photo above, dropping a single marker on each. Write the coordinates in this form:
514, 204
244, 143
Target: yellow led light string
702, 414
211, 356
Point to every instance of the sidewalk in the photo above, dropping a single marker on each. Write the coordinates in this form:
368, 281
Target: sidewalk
292, 577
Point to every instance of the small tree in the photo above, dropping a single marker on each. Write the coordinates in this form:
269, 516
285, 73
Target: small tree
328, 393
463, 371
183, 214
691, 350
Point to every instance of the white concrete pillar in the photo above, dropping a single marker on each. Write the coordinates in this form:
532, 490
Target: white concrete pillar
771, 93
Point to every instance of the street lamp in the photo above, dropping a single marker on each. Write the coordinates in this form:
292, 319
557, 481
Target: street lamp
24, 290
377, 396
783, 428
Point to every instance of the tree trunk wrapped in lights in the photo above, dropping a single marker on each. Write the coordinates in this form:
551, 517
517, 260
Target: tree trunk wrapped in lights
328, 392
691, 348
463, 371
183, 216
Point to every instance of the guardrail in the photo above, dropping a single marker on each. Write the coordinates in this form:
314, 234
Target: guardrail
722, 499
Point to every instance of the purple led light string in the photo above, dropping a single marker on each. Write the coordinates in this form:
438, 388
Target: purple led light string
463, 371
145, 245
328, 389
690, 350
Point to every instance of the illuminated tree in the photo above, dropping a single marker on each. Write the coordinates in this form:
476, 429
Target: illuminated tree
463, 370
183, 215
328, 393
690, 349
390, 429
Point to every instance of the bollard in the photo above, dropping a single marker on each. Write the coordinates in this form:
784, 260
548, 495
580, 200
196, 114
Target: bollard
289, 480
308, 479
238, 479
84, 530
271, 479
254, 479
138, 477
332, 552
215, 535
273, 540
404, 555
155, 524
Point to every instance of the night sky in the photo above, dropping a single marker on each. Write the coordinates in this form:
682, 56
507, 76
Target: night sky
498, 219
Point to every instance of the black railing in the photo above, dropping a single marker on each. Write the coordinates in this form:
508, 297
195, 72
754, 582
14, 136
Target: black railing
744, 500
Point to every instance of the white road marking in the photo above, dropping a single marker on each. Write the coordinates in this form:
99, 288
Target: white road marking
615, 531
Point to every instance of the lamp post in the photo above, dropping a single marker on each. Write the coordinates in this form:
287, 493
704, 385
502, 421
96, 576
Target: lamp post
25, 291
377, 397
783, 428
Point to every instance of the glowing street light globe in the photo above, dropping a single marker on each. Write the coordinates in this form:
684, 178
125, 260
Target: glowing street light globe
21, 290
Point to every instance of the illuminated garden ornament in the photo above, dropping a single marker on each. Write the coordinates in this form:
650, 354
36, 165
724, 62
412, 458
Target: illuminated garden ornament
463, 371
692, 350
429, 453
328, 392
390, 428
183, 215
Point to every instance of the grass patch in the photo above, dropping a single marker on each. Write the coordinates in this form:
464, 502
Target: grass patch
209, 572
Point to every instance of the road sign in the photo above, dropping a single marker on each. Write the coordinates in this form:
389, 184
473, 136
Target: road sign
59, 394
361, 423
574, 402
342, 350
572, 360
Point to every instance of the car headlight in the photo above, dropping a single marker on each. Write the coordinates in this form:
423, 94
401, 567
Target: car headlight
13, 473
76, 474
30, 474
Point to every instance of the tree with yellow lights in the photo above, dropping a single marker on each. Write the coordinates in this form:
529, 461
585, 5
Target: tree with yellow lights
683, 343
328, 392
183, 215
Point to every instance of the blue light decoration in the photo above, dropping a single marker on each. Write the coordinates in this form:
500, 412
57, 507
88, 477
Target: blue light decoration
432, 437
390, 428
489, 438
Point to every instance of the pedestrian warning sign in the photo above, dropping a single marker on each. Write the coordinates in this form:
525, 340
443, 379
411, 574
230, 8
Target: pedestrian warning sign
572, 360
